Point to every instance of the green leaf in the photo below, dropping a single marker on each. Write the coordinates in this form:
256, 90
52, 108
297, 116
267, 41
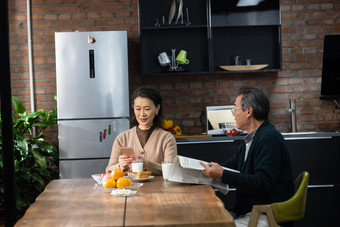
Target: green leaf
40, 159
43, 146
53, 115
44, 124
19, 107
21, 145
39, 179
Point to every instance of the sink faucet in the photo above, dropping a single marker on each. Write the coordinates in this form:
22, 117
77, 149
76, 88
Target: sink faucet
292, 111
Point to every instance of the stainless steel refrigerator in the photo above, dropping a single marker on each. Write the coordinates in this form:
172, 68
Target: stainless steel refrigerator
93, 98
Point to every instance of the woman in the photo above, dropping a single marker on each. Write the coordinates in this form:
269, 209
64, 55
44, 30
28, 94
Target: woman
150, 142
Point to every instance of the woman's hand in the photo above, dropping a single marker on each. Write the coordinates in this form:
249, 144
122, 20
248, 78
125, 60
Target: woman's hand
124, 161
212, 170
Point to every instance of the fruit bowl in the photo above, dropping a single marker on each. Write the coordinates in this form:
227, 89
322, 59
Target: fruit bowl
97, 177
232, 131
99, 187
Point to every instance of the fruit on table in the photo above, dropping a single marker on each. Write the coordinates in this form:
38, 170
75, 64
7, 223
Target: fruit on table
106, 177
123, 182
167, 123
178, 130
117, 173
109, 183
233, 132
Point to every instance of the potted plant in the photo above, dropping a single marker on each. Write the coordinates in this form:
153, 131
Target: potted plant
36, 161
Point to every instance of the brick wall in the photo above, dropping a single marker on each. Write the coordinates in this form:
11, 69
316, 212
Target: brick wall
304, 24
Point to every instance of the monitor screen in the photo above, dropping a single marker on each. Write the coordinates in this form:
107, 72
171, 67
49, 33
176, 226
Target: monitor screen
219, 117
330, 84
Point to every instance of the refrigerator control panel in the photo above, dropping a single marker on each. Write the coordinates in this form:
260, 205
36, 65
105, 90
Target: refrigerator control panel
92, 72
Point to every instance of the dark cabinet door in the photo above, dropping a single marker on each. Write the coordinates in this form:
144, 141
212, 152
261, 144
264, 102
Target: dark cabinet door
215, 151
320, 157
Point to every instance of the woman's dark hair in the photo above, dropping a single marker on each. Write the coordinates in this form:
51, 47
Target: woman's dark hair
156, 98
257, 99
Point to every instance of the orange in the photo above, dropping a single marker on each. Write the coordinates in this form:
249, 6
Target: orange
109, 183
123, 182
117, 173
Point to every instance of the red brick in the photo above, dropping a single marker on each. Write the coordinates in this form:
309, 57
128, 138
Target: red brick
123, 13
289, 59
313, 6
288, 15
210, 85
285, 8
327, 6
299, 22
224, 84
328, 21
67, 9
295, 66
297, 7
310, 66
296, 37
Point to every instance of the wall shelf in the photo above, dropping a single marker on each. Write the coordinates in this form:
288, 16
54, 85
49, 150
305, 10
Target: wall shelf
218, 30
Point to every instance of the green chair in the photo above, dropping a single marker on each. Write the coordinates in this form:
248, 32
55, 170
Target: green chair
291, 210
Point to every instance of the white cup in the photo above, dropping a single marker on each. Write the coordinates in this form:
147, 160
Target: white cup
166, 170
137, 166
163, 59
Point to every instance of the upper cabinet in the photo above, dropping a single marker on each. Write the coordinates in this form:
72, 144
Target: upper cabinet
209, 36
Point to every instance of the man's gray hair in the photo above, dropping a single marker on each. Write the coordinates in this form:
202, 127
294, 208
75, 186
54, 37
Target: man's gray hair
257, 99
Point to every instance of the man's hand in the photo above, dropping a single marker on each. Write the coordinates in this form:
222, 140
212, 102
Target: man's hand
212, 170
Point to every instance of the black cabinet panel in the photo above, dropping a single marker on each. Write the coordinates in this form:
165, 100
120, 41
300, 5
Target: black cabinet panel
247, 42
320, 157
193, 41
210, 152
322, 207
245, 13
153, 11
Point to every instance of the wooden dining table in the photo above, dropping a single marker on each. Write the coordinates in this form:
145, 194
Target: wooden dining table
80, 202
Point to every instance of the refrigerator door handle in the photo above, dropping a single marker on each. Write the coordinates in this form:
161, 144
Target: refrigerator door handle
92, 72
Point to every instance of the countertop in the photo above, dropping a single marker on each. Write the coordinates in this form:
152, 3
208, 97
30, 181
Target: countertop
287, 136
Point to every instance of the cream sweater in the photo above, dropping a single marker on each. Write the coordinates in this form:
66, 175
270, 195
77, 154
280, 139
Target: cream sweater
161, 146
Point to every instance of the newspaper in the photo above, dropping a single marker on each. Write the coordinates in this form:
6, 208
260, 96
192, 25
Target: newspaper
189, 170
191, 163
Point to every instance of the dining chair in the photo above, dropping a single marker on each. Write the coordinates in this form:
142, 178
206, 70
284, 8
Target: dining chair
291, 210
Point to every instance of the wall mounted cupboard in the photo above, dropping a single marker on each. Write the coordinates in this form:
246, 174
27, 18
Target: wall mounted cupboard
213, 33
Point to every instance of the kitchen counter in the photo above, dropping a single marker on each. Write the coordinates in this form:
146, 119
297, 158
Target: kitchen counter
222, 138
315, 152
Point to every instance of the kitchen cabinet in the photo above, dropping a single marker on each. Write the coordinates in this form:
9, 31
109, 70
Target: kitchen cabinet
320, 156
317, 153
212, 150
212, 32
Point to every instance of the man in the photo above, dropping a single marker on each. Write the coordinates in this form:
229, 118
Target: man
263, 159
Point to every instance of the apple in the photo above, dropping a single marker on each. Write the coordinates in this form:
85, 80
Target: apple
107, 176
